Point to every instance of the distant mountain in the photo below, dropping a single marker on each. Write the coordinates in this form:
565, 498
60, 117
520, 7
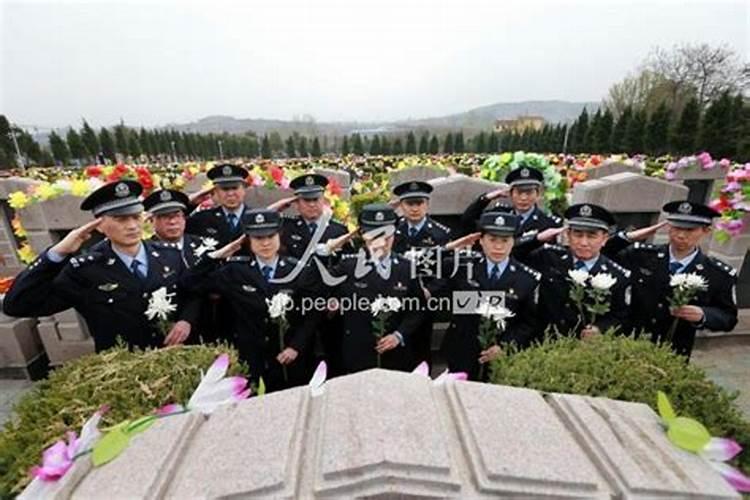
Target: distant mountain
482, 118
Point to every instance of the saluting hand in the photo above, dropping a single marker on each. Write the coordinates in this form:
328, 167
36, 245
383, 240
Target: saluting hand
282, 204
464, 241
336, 243
550, 234
229, 249
645, 232
498, 193
77, 237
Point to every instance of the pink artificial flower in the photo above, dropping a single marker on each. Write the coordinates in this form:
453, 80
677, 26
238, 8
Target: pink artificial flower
731, 187
718, 451
724, 163
669, 175
215, 389
318, 379
705, 160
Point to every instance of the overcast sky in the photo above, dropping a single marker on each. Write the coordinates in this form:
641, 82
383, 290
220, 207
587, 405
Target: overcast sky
157, 61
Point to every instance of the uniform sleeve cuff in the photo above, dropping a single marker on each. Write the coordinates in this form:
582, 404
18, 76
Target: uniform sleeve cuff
399, 337
54, 256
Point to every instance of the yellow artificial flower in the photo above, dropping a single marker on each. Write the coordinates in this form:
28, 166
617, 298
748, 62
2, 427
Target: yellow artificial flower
194, 170
45, 191
147, 231
179, 183
18, 199
18, 229
26, 254
79, 188
207, 185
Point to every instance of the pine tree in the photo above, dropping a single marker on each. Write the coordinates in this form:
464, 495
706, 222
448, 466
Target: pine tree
290, 151
458, 142
657, 132
375, 146
582, 128
316, 148
434, 145
618, 143
480, 143
411, 144
424, 144
493, 144
357, 147
75, 145
448, 143
7, 149
265, 148
685, 132
107, 144
716, 129
303, 152
345, 146
59, 148
592, 136
398, 148
634, 136
121, 139
385, 146
90, 140
604, 134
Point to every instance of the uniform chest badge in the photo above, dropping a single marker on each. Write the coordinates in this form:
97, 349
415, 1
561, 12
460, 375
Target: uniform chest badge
249, 288
400, 287
360, 284
296, 237
108, 287
212, 230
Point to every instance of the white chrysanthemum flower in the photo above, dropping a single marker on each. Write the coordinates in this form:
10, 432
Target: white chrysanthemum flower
603, 281
498, 314
579, 276
160, 305
279, 304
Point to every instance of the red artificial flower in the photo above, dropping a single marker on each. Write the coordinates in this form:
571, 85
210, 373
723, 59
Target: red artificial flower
93, 171
334, 187
596, 160
277, 174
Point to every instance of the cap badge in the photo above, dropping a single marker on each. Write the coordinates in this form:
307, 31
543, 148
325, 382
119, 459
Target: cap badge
309, 180
413, 186
499, 220
165, 196
259, 219
525, 172
585, 211
685, 208
122, 190
226, 171
379, 216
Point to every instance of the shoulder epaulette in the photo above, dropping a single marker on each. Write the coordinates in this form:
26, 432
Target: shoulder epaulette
441, 226
617, 266
289, 216
640, 245
555, 248
349, 255
85, 259
239, 258
722, 266
555, 219
165, 244
533, 272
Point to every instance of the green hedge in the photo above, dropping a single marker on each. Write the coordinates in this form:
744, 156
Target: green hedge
623, 368
131, 383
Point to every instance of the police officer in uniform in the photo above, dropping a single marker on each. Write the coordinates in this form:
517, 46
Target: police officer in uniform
415, 231
223, 223
299, 230
111, 284
587, 231
376, 272
525, 187
169, 210
247, 282
491, 270
653, 266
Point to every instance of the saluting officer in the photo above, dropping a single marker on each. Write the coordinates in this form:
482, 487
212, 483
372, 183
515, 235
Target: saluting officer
526, 189
169, 210
491, 270
112, 283
416, 230
223, 223
653, 266
587, 231
297, 234
247, 282
376, 272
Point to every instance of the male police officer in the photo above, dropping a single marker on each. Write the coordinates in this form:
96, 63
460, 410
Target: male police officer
110, 285
653, 266
416, 230
169, 210
587, 232
525, 187
223, 223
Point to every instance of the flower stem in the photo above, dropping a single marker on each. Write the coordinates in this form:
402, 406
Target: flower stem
671, 331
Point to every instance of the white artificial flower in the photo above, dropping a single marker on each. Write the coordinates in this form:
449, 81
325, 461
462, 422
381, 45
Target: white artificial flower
496, 313
677, 280
278, 304
579, 276
693, 280
384, 304
603, 281
160, 305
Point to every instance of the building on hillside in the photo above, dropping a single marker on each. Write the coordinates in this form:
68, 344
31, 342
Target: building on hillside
520, 123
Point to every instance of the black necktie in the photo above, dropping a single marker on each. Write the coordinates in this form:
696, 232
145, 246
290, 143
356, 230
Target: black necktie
579, 264
313, 226
495, 274
232, 220
674, 267
413, 232
267, 270
135, 266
